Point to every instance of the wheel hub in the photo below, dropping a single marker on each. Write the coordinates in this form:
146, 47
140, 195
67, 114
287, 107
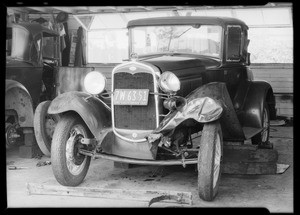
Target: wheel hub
11, 135
75, 160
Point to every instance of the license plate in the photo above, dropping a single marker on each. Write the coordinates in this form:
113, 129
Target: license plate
131, 97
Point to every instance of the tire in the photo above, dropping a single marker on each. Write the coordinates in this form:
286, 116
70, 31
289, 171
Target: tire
262, 138
69, 167
210, 160
44, 125
8, 126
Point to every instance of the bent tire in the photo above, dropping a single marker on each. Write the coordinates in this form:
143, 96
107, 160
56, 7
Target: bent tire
69, 167
44, 125
209, 161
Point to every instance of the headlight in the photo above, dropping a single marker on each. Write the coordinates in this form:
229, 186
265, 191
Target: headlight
94, 82
169, 83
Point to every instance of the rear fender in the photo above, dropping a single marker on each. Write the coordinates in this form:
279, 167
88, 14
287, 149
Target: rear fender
259, 91
95, 113
17, 98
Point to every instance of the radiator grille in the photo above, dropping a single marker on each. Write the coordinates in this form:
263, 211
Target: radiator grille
135, 117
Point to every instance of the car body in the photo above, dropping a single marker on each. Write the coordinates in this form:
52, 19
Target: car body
29, 74
186, 88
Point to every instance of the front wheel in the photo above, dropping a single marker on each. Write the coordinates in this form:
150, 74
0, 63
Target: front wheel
209, 161
68, 165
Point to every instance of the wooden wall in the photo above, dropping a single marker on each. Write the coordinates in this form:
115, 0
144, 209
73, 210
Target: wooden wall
280, 76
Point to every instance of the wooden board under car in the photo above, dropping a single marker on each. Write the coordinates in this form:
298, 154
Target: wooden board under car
121, 194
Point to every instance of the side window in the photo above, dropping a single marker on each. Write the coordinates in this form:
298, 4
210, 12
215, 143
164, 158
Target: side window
233, 43
20, 41
35, 48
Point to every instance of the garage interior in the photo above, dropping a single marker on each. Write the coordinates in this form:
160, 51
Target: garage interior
102, 33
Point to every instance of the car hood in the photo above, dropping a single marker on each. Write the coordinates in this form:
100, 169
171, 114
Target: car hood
180, 62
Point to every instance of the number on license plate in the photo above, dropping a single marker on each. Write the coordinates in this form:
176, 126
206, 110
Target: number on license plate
131, 97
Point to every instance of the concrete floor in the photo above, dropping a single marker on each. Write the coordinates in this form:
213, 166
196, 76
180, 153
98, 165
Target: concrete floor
274, 192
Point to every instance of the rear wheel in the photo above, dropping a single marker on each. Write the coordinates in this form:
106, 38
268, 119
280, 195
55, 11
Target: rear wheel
209, 161
262, 138
68, 165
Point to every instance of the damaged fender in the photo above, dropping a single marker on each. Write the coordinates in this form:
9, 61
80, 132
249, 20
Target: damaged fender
94, 112
202, 109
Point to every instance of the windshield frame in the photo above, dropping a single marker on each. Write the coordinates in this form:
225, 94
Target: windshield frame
220, 57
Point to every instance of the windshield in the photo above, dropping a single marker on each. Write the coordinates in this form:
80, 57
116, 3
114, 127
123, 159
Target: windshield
193, 39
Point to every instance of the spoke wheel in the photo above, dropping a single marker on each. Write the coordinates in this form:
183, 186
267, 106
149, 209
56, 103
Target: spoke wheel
210, 161
68, 165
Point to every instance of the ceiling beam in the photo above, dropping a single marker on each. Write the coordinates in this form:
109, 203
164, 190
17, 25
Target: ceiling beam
40, 9
17, 9
80, 22
65, 9
145, 8
110, 7
92, 9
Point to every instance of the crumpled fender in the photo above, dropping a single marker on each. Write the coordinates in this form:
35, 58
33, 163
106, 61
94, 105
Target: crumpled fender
200, 109
18, 98
197, 107
94, 112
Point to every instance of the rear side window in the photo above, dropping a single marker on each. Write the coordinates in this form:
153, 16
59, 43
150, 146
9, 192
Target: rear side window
234, 43
20, 41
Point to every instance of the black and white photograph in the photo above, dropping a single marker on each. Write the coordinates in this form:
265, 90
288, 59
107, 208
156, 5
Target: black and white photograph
150, 106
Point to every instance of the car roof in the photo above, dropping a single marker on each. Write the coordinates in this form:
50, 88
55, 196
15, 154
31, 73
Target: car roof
181, 20
35, 29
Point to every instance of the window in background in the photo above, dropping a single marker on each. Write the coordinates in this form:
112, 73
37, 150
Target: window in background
271, 45
107, 46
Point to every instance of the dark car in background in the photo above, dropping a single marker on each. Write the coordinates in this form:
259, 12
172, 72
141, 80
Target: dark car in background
31, 54
186, 88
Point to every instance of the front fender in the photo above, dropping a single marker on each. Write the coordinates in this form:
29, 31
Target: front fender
18, 98
95, 113
200, 106
223, 110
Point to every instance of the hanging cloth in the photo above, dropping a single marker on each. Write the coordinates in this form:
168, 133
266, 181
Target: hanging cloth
66, 52
79, 61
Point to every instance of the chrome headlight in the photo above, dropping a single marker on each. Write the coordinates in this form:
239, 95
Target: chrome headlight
169, 83
94, 82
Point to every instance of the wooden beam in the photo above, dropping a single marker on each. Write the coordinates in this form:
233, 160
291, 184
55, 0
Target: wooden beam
40, 9
93, 9
65, 9
145, 8
80, 22
11, 10
121, 194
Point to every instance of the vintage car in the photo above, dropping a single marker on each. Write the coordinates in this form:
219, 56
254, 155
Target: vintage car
185, 89
29, 75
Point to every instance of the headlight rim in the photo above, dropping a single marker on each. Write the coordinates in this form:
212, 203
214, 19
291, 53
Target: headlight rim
86, 87
163, 88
